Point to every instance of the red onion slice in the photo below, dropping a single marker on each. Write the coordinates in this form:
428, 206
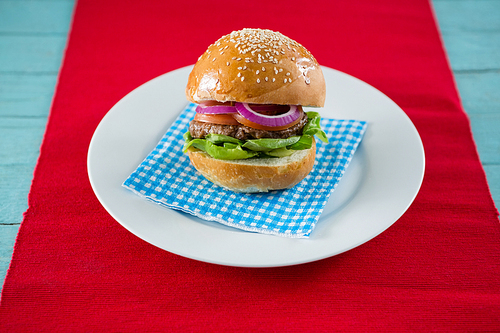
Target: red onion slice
277, 120
215, 108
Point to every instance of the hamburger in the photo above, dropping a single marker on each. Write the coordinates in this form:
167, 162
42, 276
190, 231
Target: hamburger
250, 132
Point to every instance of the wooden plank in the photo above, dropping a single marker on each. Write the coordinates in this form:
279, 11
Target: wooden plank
485, 128
15, 181
7, 239
493, 176
473, 51
481, 101
471, 33
38, 17
32, 40
20, 140
24, 95
31, 54
479, 92
458, 16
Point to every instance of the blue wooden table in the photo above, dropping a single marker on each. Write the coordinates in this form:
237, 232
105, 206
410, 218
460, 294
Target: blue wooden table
33, 36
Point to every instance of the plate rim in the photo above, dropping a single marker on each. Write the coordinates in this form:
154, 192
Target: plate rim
138, 233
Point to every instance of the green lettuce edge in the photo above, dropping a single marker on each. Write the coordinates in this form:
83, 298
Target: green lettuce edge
225, 147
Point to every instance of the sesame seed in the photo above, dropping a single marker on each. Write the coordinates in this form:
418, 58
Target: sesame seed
267, 79
240, 68
242, 78
227, 63
239, 74
288, 74
266, 43
274, 79
281, 70
263, 69
214, 59
257, 72
244, 67
290, 79
285, 80
258, 80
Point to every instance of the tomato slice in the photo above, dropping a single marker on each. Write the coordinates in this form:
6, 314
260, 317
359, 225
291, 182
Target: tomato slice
222, 119
249, 123
237, 119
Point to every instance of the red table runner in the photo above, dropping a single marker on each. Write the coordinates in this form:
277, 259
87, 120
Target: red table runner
76, 269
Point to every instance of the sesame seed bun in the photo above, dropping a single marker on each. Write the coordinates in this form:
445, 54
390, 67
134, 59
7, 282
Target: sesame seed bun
257, 66
255, 175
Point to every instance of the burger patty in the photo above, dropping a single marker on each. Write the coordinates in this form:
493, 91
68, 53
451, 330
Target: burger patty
200, 129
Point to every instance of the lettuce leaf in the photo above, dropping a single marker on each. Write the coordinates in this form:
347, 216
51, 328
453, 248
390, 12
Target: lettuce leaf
270, 144
305, 142
280, 152
225, 147
226, 152
313, 126
219, 138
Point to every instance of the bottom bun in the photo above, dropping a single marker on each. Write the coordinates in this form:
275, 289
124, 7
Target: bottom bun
255, 175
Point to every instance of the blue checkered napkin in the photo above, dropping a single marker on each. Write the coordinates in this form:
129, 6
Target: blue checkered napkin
166, 177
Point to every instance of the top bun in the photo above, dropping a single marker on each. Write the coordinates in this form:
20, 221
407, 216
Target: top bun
257, 66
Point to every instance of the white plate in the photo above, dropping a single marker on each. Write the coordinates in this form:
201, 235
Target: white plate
380, 184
